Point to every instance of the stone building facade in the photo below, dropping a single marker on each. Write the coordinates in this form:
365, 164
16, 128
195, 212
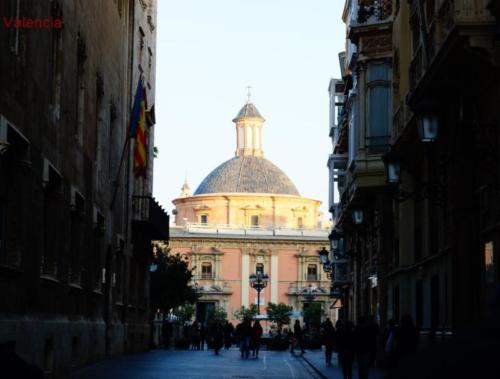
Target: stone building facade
428, 195
247, 217
74, 285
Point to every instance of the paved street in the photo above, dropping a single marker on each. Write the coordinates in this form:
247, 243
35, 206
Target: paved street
161, 364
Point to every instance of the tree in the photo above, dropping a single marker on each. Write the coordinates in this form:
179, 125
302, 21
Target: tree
184, 312
245, 312
279, 314
170, 282
217, 314
312, 314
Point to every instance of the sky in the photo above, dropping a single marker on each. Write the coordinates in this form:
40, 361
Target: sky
209, 51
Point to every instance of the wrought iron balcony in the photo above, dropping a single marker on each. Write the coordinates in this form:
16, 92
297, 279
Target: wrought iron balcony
149, 218
369, 12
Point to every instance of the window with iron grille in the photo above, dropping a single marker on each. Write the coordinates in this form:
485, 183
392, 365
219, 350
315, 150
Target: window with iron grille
206, 270
312, 272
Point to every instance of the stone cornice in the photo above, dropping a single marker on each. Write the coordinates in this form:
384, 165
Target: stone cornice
176, 242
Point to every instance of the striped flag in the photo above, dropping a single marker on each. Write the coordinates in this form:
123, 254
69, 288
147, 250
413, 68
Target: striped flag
138, 131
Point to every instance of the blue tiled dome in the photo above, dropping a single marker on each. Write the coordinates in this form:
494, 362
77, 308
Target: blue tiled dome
247, 174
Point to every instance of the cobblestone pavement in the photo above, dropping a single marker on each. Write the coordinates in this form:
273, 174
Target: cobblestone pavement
161, 364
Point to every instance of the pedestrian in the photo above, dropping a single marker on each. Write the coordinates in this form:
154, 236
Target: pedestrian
363, 345
328, 336
195, 336
203, 337
217, 336
244, 331
256, 335
228, 335
345, 347
298, 336
405, 338
389, 344
166, 333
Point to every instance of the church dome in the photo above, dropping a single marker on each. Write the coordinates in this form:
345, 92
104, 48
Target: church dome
247, 174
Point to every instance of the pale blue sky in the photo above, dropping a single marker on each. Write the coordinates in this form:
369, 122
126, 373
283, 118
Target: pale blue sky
209, 51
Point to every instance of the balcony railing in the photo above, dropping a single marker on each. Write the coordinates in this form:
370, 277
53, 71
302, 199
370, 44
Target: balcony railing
370, 12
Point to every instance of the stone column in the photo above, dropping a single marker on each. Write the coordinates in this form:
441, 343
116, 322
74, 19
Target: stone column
245, 272
274, 276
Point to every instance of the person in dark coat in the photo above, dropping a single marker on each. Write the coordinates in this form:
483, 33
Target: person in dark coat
228, 335
244, 331
345, 347
298, 336
217, 335
166, 333
256, 335
364, 346
405, 338
328, 336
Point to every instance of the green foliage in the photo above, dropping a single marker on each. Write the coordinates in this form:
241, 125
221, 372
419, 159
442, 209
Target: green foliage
217, 314
184, 312
313, 313
279, 314
155, 152
170, 282
245, 312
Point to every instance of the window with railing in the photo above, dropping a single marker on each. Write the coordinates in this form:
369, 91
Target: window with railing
379, 107
312, 272
206, 270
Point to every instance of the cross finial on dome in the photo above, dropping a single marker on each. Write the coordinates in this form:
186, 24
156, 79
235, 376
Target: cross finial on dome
249, 93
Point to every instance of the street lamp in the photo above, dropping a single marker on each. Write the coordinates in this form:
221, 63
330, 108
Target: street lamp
258, 282
357, 216
336, 238
324, 259
392, 162
428, 126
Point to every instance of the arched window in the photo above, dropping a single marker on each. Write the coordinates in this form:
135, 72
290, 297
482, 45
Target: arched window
204, 219
206, 270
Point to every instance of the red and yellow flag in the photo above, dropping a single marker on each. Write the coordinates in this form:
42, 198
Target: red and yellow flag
141, 138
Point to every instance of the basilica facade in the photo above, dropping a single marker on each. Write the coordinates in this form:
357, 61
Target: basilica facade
247, 217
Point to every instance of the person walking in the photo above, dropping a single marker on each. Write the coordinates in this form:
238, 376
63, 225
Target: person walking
345, 347
244, 331
195, 336
363, 346
328, 336
405, 338
203, 337
256, 335
298, 336
217, 336
228, 335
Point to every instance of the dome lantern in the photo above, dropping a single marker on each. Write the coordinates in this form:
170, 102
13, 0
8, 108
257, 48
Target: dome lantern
249, 130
